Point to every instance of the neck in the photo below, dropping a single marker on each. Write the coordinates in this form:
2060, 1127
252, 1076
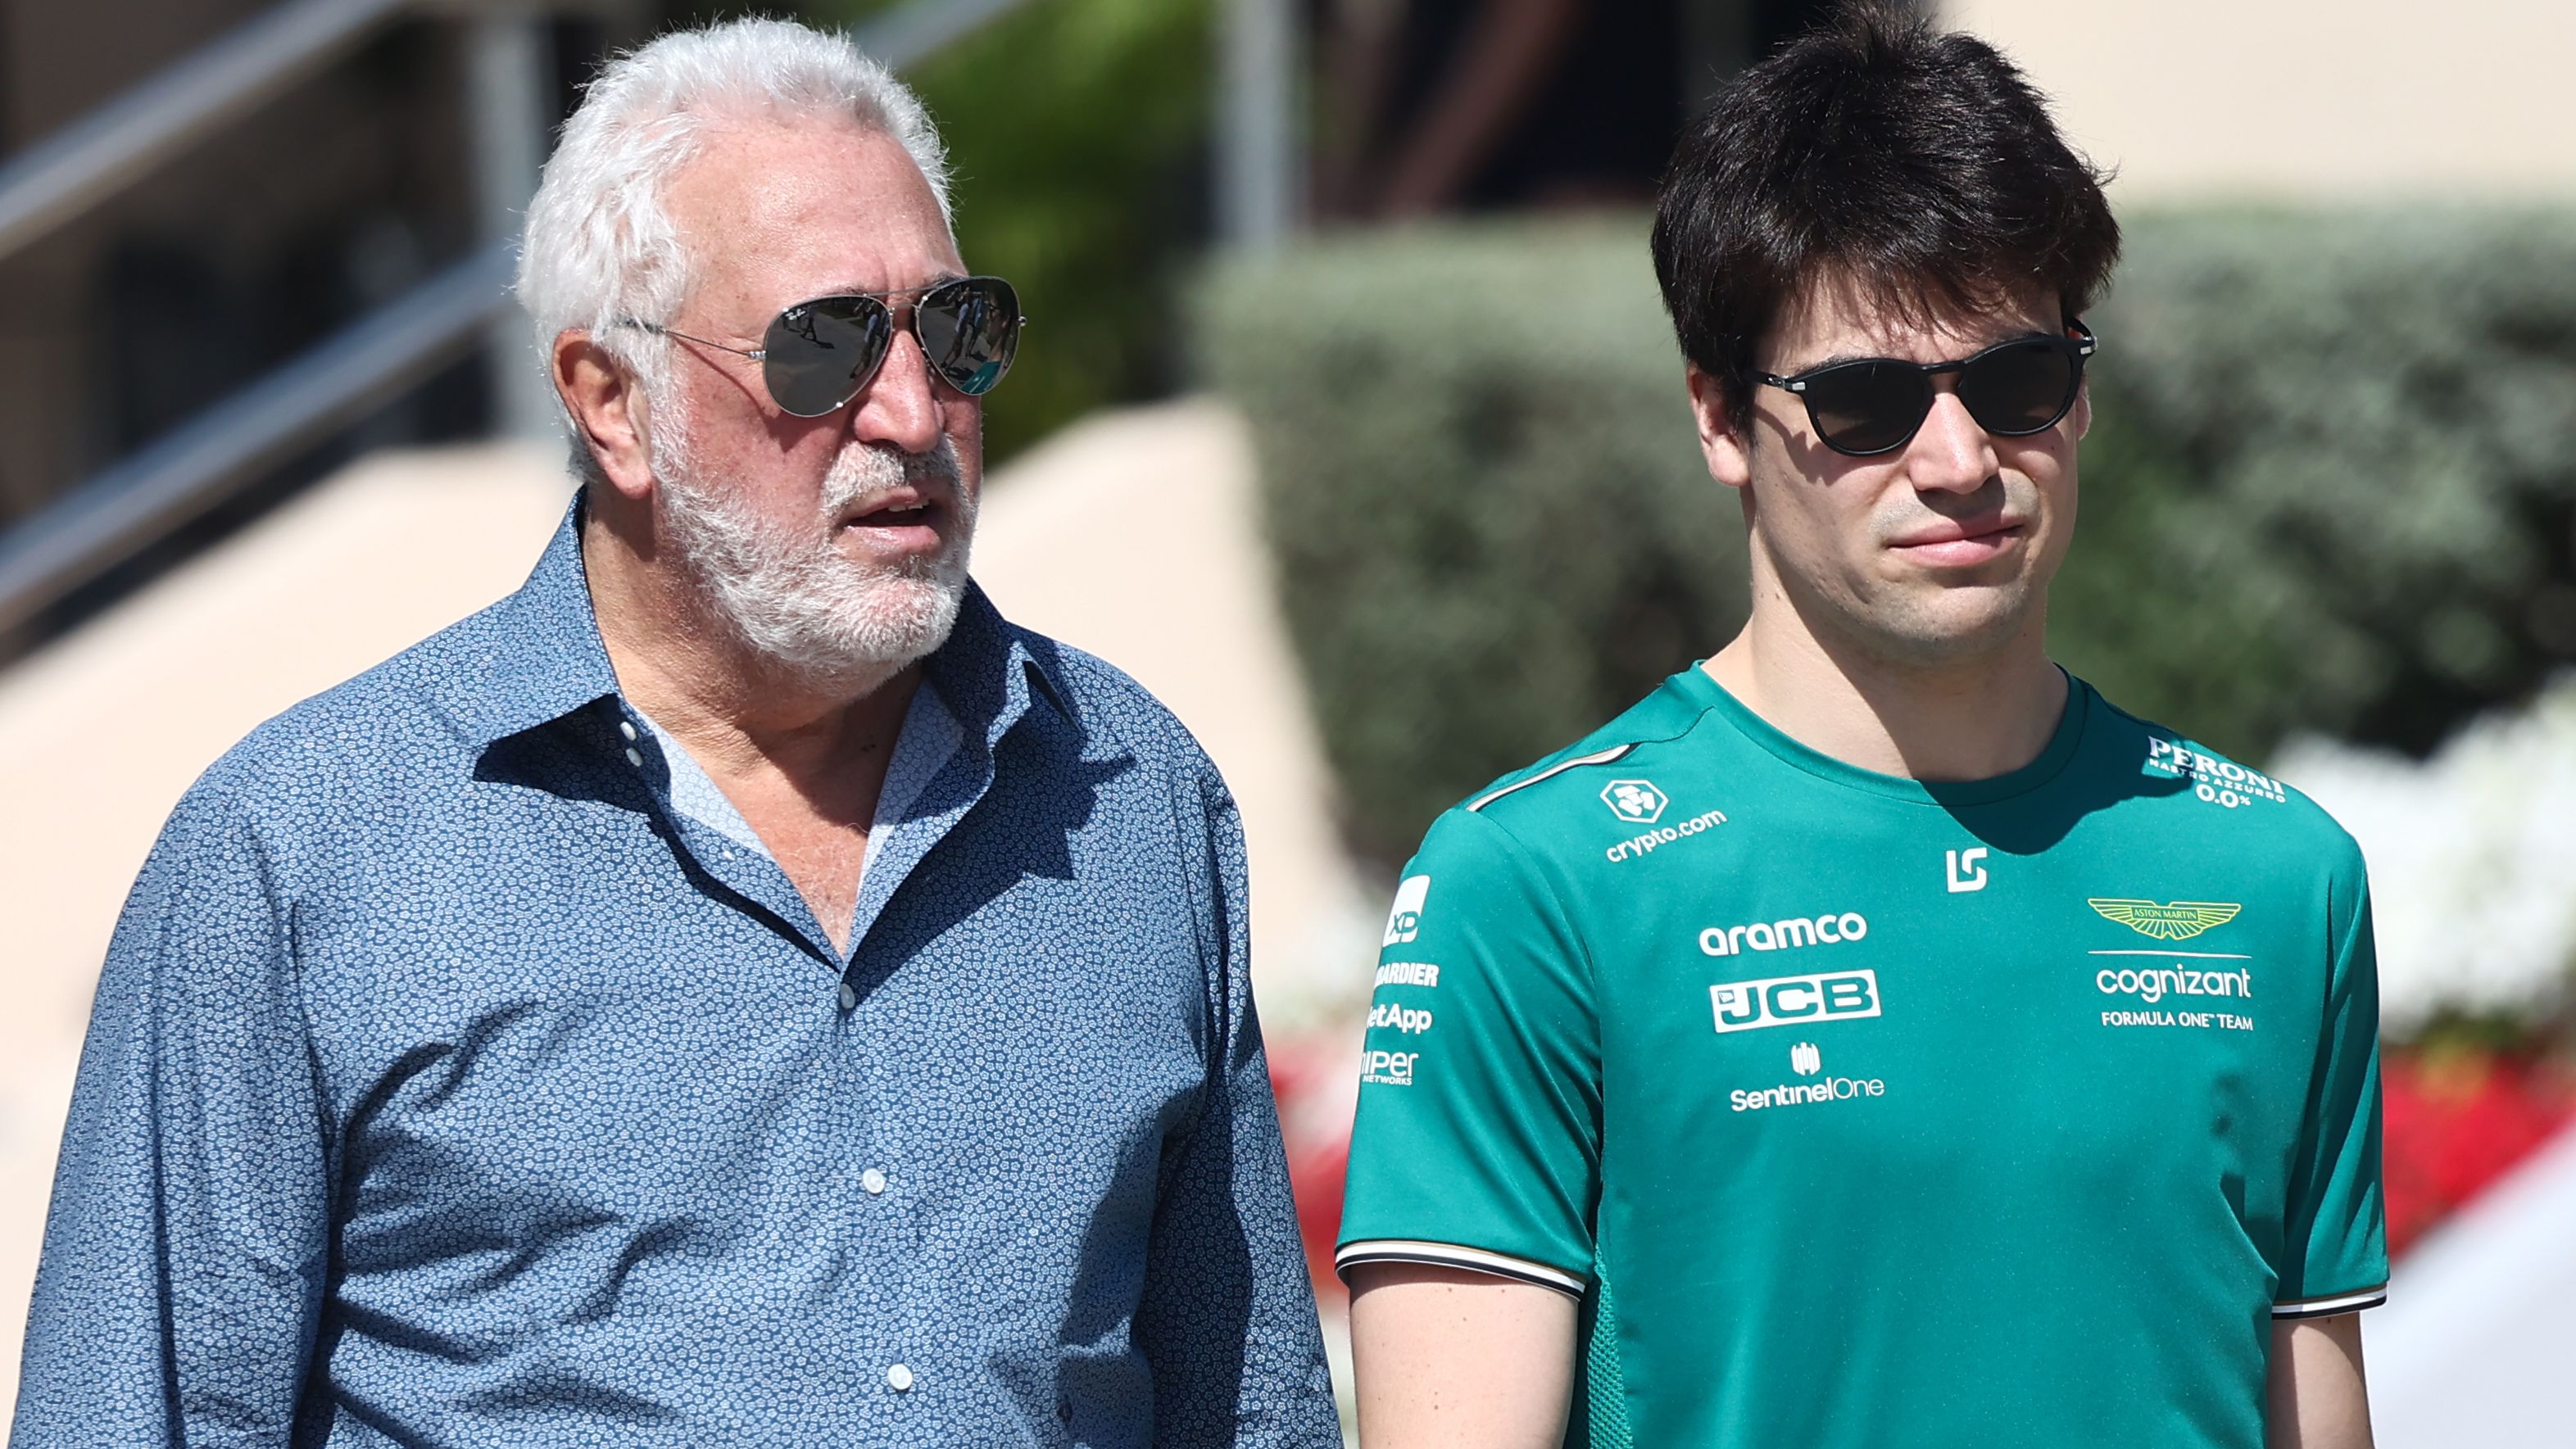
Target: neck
1971, 717
739, 713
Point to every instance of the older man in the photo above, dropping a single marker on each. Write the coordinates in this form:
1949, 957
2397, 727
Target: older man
737, 989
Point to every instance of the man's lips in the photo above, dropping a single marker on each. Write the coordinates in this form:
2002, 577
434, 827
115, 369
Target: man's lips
1953, 544
903, 519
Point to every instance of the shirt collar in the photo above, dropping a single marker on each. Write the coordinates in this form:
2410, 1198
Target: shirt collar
548, 660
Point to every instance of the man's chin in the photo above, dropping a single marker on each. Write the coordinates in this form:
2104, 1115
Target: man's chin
1950, 624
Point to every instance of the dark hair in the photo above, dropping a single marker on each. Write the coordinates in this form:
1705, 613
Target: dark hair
1914, 165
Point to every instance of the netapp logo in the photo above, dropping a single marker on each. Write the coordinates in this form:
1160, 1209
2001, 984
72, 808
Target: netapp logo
1825, 930
1790, 1000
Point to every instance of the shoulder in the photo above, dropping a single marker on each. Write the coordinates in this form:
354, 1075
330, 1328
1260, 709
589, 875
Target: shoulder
1109, 708
1602, 777
2221, 802
366, 737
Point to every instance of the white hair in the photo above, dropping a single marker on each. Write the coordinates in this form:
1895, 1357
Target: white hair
600, 248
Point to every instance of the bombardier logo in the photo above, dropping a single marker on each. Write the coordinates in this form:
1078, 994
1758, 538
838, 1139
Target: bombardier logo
2178, 921
1794, 1000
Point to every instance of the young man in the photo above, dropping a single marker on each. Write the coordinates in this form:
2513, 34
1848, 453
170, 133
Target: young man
1875, 1038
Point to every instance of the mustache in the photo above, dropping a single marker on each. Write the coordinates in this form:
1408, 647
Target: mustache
870, 470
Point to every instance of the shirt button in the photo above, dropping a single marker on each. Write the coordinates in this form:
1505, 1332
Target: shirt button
634, 756
849, 996
900, 1377
626, 727
873, 1181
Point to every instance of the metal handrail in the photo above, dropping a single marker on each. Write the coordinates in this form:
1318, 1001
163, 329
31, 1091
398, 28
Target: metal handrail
211, 458
107, 150
142, 499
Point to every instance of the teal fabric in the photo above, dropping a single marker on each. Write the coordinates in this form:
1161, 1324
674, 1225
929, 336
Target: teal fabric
2007, 1112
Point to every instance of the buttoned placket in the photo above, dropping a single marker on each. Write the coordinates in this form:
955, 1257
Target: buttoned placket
882, 1211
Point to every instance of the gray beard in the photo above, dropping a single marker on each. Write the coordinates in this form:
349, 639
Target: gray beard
789, 594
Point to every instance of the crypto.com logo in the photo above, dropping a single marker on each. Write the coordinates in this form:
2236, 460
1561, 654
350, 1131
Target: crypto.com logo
1636, 801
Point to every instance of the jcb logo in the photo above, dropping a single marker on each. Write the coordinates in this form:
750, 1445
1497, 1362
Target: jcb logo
1788, 1000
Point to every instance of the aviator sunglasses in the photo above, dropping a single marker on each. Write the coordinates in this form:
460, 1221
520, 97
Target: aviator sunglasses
816, 355
1877, 404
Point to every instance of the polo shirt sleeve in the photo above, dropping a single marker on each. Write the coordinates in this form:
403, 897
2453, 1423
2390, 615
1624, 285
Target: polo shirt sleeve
1477, 1142
184, 1257
2334, 1255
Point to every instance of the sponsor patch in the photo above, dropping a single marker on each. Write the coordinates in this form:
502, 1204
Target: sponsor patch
1795, 1000
1404, 918
2173, 921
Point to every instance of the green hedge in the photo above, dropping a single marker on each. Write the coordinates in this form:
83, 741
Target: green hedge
2331, 484
1480, 483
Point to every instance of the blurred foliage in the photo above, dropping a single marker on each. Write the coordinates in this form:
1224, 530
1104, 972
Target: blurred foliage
1488, 510
2333, 487
2331, 484
1077, 130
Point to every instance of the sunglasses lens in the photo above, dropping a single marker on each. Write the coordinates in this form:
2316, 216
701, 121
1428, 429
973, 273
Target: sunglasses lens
1867, 407
2019, 388
822, 352
969, 330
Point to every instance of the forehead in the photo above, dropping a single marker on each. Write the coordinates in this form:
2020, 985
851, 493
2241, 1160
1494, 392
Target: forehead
1834, 318
773, 213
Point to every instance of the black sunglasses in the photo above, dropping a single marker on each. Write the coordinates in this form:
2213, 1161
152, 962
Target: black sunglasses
817, 355
1877, 404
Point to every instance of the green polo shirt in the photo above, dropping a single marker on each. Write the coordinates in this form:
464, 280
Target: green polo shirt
1867, 1112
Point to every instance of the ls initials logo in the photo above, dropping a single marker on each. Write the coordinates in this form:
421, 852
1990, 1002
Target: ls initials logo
1965, 873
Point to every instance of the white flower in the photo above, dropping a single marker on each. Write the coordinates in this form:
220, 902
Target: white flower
2472, 858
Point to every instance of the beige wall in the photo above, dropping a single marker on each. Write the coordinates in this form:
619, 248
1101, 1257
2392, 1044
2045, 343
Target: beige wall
2356, 100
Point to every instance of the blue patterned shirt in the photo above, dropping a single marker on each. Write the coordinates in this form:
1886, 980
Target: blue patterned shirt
448, 1085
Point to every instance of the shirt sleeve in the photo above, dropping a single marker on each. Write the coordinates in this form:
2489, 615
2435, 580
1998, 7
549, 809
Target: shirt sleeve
1477, 1143
1227, 1316
186, 1245
2334, 1256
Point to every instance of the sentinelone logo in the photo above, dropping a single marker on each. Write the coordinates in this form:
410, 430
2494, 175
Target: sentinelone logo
1806, 1061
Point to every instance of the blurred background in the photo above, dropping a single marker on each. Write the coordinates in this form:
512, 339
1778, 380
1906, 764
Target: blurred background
1351, 426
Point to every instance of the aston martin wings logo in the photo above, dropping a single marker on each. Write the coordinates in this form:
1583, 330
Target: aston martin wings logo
2178, 921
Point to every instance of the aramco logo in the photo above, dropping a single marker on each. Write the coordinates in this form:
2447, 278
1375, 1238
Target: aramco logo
1805, 1060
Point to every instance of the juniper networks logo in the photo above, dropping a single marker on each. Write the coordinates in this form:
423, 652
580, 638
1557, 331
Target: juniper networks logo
1636, 801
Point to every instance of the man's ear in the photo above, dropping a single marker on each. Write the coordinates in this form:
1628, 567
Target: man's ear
2082, 413
607, 409
1730, 459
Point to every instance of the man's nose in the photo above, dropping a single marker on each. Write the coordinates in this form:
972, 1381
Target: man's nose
901, 403
1951, 452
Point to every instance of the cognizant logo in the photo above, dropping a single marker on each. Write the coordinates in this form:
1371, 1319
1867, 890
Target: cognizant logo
1638, 845
2157, 984
1829, 930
